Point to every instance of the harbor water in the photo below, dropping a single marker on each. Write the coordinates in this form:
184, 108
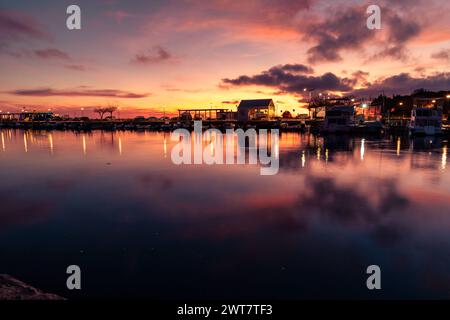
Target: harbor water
140, 226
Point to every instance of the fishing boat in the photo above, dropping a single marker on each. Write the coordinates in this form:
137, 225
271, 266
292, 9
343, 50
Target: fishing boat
425, 121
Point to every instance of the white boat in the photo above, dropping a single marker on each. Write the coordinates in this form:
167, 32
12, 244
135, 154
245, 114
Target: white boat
425, 121
339, 119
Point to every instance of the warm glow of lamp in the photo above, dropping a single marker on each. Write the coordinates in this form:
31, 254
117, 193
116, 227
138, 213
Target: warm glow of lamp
400, 104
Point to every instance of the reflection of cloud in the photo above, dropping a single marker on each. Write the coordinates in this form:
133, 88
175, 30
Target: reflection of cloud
153, 181
348, 205
61, 185
16, 211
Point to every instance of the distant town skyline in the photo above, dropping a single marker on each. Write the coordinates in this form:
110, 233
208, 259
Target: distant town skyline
151, 57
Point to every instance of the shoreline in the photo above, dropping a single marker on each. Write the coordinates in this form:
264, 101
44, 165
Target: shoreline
14, 289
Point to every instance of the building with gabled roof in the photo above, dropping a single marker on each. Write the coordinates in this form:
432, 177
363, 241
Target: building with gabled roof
257, 109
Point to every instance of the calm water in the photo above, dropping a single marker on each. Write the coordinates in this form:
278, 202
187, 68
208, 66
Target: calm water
139, 226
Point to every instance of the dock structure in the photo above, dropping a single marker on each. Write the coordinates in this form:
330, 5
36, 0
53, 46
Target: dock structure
206, 114
26, 116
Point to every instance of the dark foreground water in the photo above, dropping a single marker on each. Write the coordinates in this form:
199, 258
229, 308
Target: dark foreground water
139, 226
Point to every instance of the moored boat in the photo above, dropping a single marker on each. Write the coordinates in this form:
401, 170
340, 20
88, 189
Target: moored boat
425, 121
338, 119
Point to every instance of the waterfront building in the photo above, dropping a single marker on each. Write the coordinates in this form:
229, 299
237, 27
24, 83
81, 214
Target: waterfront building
259, 109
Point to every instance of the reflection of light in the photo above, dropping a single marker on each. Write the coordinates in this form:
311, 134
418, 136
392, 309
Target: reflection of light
399, 141
3, 142
84, 145
326, 155
318, 153
303, 159
50, 141
165, 147
120, 146
276, 146
363, 149
444, 157
25, 144
211, 146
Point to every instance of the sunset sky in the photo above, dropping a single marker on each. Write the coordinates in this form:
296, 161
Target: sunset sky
149, 55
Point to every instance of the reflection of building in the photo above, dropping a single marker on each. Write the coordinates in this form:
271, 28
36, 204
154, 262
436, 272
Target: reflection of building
260, 109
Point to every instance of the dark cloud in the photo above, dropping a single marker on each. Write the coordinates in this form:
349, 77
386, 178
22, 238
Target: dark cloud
394, 52
47, 92
287, 79
51, 53
75, 67
360, 77
294, 68
444, 54
404, 83
346, 30
293, 83
400, 31
230, 102
17, 26
157, 55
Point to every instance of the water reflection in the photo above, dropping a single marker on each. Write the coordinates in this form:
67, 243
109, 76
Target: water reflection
338, 204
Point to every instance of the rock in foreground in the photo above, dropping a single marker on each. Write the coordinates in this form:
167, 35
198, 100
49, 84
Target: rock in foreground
13, 289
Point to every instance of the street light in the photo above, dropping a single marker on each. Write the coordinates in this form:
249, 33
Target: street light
400, 104
448, 96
